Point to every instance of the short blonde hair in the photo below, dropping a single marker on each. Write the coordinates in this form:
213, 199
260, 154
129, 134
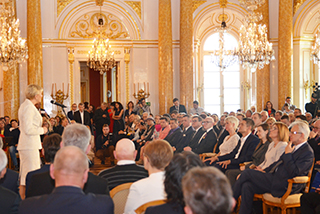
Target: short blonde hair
233, 120
32, 91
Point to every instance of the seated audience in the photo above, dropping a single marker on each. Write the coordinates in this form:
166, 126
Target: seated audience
187, 133
286, 120
208, 140
9, 200
278, 115
297, 112
74, 135
157, 155
70, 172
165, 127
264, 116
50, 147
310, 202
126, 170
270, 121
198, 132
296, 161
230, 141
180, 164
257, 119
249, 113
13, 132
314, 142
174, 114
242, 152
175, 134
207, 190
269, 108
308, 116
105, 145
290, 106
196, 109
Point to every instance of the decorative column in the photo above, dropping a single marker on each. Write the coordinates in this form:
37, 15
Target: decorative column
34, 39
263, 75
11, 89
165, 57
127, 60
186, 53
71, 80
285, 50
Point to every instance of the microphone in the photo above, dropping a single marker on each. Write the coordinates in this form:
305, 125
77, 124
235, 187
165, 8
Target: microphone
58, 104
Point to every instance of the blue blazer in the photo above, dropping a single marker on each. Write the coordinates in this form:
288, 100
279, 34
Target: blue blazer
66, 200
293, 164
246, 152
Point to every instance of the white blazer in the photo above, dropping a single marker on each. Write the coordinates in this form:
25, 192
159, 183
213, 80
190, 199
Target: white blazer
30, 122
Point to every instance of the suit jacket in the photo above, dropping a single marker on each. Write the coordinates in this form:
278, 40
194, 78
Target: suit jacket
66, 200
221, 136
186, 138
86, 117
293, 164
182, 108
30, 127
195, 138
167, 208
99, 120
44, 168
10, 181
315, 145
121, 174
42, 184
207, 143
246, 152
70, 115
174, 137
9, 201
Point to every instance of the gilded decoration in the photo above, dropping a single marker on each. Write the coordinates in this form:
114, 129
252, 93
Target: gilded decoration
197, 3
296, 5
136, 6
87, 26
223, 3
61, 4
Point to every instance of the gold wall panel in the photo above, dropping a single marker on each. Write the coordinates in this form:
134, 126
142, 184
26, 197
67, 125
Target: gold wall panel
165, 57
296, 5
61, 4
34, 40
87, 26
263, 75
11, 92
186, 53
136, 6
285, 50
197, 3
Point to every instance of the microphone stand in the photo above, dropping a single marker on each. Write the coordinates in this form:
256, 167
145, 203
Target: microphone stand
66, 115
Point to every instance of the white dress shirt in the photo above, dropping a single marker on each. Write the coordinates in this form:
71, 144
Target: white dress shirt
243, 140
145, 190
82, 116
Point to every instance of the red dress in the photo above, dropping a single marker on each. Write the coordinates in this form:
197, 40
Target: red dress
111, 120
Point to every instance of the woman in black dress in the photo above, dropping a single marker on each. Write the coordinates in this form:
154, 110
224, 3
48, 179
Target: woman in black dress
118, 123
129, 109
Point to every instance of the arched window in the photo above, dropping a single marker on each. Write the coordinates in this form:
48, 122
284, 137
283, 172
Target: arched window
221, 90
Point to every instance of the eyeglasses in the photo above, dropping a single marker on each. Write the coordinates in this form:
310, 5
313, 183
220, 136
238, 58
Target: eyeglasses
315, 128
296, 132
206, 122
273, 128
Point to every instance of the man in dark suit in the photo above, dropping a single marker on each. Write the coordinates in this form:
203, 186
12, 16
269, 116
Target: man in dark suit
187, 133
315, 145
74, 135
70, 171
242, 152
198, 132
126, 170
175, 134
101, 117
176, 106
70, 114
81, 116
50, 146
9, 201
295, 161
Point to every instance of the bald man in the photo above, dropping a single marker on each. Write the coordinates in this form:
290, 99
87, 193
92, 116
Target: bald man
126, 170
70, 171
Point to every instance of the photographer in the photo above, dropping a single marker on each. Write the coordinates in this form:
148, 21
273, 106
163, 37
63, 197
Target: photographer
312, 106
104, 145
141, 107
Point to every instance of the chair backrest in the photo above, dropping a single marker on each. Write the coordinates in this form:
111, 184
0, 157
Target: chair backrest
309, 180
215, 147
143, 207
119, 195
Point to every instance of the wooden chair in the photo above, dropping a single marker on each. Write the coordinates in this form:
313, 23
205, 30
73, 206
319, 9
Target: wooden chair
287, 200
119, 195
203, 156
143, 207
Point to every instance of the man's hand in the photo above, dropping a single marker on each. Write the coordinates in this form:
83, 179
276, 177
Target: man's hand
212, 159
106, 143
258, 168
224, 163
289, 148
318, 162
242, 168
187, 149
104, 115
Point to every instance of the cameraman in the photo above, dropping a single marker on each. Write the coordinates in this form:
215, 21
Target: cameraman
312, 106
141, 107
105, 146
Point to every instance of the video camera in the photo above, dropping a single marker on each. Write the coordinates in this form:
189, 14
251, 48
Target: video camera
316, 95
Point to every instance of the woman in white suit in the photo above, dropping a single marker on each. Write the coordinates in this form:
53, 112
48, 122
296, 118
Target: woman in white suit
30, 130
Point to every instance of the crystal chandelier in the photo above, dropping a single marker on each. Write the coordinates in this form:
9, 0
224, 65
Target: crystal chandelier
100, 58
13, 49
315, 50
223, 58
254, 50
